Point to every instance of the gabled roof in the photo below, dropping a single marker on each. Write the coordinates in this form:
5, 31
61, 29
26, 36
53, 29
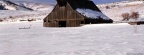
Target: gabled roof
92, 14
86, 7
83, 4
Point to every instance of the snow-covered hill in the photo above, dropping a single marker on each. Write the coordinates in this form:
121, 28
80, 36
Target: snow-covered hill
36, 6
15, 15
114, 10
12, 11
25, 6
111, 1
8, 5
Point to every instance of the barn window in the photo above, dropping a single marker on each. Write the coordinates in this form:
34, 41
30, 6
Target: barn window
44, 20
49, 21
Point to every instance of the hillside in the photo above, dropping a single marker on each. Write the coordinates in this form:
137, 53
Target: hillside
12, 11
116, 9
36, 6
8, 5
111, 1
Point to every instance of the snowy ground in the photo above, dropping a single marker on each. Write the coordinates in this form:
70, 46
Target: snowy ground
7, 13
118, 8
13, 16
99, 39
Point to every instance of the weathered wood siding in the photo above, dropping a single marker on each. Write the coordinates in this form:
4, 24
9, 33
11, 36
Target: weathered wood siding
63, 13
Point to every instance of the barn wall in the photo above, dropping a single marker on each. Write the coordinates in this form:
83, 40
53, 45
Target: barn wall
63, 13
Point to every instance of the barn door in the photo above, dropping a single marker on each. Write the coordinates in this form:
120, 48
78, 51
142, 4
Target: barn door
62, 23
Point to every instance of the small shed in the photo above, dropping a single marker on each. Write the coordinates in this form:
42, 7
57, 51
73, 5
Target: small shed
74, 13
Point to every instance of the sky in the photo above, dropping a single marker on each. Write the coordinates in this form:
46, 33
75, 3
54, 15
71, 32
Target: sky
53, 1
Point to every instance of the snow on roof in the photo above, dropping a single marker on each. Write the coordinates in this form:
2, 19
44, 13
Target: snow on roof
92, 14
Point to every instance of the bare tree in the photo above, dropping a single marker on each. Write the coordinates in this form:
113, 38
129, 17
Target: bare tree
107, 7
125, 16
134, 15
1, 20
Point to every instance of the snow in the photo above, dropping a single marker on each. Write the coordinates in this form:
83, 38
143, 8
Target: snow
106, 1
36, 6
12, 6
21, 11
92, 14
12, 15
122, 7
95, 39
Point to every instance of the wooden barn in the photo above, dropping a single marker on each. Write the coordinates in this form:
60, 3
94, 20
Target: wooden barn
74, 13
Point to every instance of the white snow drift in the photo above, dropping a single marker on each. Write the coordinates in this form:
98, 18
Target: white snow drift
98, 39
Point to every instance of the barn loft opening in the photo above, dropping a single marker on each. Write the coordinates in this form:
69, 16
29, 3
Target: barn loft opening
44, 20
61, 3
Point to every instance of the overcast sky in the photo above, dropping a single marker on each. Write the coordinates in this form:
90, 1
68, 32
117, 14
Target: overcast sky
54, 1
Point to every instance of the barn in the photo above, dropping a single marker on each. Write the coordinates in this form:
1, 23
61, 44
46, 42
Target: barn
74, 13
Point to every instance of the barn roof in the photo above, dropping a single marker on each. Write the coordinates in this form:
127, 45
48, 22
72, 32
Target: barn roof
92, 14
84, 4
86, 7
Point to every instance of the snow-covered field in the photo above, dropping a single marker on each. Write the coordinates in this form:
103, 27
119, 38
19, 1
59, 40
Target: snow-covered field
7, 13
116, 9
13, 16
97, 39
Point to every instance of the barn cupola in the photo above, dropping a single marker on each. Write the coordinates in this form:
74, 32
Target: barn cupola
61, 2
